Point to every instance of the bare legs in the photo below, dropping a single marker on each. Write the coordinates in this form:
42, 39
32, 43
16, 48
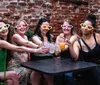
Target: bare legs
11, 77
35, 78
48, 79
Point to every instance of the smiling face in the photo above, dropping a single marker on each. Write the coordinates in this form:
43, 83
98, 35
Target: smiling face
87, 27
4, 29
21, 27
45, 27
66, 27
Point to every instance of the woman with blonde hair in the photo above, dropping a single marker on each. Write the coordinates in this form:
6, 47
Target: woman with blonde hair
20, 39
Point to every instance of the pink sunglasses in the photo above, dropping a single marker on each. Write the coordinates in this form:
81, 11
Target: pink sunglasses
67, 27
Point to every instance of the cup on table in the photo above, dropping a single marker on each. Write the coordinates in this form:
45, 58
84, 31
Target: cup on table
57, 57
62, 45
57, 60
51, 48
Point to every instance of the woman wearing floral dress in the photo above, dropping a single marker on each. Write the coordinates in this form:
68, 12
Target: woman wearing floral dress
20, 39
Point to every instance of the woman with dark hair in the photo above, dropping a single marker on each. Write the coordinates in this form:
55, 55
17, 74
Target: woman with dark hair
87, 48
42, 32
43, 23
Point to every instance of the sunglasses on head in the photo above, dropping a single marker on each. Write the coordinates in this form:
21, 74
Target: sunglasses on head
87, 26
67, 27
47, 27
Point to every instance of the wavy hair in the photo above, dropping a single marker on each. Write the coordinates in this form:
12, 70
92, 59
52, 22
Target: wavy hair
38, 31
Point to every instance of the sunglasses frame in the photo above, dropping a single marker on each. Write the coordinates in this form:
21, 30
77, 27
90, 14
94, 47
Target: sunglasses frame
87, 26
4, 28
67, 27
47, 27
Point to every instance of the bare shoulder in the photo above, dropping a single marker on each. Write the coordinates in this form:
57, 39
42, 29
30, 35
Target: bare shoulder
75, 36
97, 37
60, 35
76, 43
97, 34
15, 36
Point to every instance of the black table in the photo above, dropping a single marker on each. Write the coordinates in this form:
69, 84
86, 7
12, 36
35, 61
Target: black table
49, 67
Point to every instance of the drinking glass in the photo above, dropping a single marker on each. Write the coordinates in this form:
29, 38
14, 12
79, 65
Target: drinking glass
62, 45
51, 48
57, 57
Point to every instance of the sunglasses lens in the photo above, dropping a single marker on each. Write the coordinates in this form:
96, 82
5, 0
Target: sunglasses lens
7, 25
82, 25
70, 26
44, 26
49, 27
67, 27
89, 27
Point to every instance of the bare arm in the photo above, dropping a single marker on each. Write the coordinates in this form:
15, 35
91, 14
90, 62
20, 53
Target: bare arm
6, 45
98, 38
60, 38
19, 40
36, 40
74, 38
74, 50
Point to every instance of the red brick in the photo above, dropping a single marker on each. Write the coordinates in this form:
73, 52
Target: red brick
3, 10
11, 6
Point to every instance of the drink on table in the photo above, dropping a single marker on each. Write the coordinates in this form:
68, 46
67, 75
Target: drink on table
62, 45
57, 57
52, 48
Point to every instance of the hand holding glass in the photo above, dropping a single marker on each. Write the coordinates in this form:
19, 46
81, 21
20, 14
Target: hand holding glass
62, 45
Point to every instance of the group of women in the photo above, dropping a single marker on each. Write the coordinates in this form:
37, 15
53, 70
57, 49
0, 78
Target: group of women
85, 47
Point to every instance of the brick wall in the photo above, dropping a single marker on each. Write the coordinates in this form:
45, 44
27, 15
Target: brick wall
56, 10
94, 7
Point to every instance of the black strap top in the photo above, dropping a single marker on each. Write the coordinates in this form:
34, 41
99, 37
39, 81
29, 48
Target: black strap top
93, 55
